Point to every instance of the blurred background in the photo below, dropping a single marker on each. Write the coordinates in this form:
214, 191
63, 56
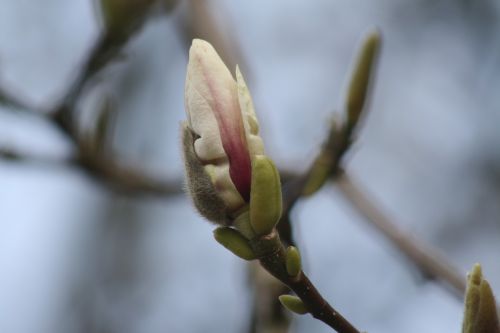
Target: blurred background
96, 234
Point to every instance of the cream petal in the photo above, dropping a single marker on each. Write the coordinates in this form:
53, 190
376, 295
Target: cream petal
208, 146
210, 89
224, 186
250, 121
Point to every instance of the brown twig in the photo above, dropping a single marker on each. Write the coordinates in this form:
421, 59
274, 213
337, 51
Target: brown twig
429, 260
324, 166
7, 98
342, 132
128, 180
272, 256
113, 175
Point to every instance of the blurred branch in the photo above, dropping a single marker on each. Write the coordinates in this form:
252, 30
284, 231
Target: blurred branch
429, 260
121, 20
340, 137
90, 155
342, 132
9, 99
127, 179
108, 172
324, 166
9, 154
268, 315
327, 166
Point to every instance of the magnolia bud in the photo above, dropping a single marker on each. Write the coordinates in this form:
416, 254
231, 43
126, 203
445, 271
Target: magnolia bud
223, 136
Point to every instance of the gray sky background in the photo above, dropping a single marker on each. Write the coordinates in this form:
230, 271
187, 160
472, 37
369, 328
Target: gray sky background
76, 258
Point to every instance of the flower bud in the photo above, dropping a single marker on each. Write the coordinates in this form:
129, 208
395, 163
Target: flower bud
224, 131
293, 261
480, 306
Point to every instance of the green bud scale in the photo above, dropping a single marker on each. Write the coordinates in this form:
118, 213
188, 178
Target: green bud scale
265, 195
293, 303
235, 242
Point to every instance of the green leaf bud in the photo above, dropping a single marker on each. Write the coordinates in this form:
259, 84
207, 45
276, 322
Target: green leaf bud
265, 195
480, 314
235, 242
293, 303
319, 174
361, 77
293, 262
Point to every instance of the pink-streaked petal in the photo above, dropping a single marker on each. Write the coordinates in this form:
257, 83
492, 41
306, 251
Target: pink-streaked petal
234, 144
210, 78
250, 122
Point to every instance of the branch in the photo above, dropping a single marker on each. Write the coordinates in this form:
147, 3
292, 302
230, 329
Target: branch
272, 256
117, 32
128, 180
108, 172
90, 154
429, 260
324, 166
9, 99
342, 132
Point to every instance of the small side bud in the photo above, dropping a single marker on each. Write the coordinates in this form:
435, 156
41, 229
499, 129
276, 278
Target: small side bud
265, 195
293, 261
319, 174
235, 242
293, 303
121, 17
480, 314
323, 166
361, 77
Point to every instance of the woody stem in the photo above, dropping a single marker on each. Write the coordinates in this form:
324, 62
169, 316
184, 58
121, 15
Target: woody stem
272, 257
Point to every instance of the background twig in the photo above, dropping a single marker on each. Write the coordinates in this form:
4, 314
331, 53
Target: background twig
90, 155
429, 260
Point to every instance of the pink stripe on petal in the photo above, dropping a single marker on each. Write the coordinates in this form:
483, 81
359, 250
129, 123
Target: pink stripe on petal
232, 132
240, 168
234, 143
